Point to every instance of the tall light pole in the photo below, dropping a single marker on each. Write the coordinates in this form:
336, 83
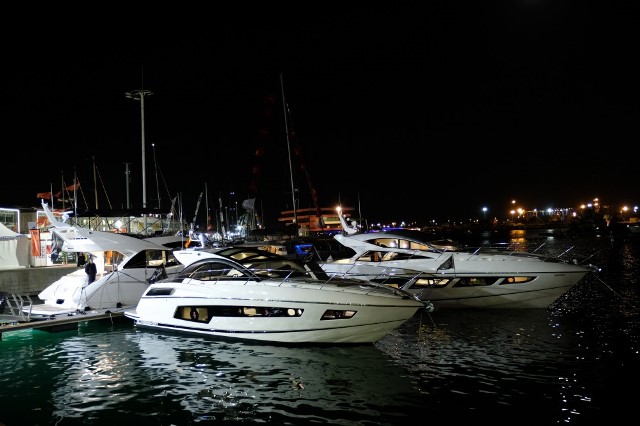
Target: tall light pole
484, 212
139, 95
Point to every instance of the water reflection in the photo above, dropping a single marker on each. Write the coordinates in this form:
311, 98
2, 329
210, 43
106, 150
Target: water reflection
99, 374
491, 361
215, 380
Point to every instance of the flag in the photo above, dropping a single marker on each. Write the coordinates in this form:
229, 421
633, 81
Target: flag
249, 204
73, 187
45, 195
35, 242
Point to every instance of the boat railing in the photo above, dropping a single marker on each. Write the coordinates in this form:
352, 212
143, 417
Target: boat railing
541, 251
15, 308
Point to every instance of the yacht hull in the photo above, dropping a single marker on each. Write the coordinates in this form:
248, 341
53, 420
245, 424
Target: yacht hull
541, 292
473, 278
284, 313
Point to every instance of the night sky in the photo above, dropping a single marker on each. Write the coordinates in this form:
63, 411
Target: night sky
407, 113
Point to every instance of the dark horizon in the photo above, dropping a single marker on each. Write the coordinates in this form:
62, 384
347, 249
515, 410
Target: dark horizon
411, 113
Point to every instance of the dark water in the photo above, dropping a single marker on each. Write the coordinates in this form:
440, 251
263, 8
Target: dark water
575, 363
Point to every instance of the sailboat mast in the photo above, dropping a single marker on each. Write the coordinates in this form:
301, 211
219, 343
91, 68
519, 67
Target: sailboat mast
286, 129
155, 165
206, 203
126, 176
195, 215
224, 231
75, 195
95, 181
62, 189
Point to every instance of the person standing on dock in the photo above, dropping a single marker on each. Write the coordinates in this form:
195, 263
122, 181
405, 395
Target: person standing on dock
90, 269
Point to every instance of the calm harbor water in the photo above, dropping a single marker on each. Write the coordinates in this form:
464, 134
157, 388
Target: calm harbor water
575, 363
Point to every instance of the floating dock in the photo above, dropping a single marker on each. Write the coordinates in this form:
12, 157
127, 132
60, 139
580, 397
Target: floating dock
63, 323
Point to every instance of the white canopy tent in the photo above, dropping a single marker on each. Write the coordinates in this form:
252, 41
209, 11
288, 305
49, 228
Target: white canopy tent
14, 249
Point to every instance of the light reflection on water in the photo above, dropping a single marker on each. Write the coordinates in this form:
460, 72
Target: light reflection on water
101, 373
567, 364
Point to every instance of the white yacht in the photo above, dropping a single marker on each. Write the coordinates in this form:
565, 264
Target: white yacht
126, 265
453, 277
251, 294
